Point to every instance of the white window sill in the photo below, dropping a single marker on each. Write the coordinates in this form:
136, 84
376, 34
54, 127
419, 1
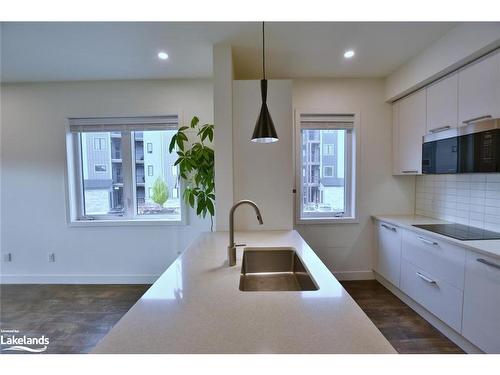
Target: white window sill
124, 223
328, 220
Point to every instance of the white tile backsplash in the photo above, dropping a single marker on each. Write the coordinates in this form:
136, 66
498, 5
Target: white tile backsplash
470, 199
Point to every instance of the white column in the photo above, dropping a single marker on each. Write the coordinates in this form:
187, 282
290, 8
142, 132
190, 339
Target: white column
223, 137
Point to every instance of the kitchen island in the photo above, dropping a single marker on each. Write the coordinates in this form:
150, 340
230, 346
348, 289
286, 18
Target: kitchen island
196, 306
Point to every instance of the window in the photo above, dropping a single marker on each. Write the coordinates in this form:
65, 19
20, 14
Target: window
106, 166
100, 168
328, 171
100, 143
325, 180
327, 149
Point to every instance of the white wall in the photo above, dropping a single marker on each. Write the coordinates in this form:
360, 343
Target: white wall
459, 46
263, 172
347, 248
33, 162
469, 199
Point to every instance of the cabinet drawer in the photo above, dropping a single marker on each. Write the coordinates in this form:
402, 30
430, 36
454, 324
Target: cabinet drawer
481, 323
436, 295
439, 258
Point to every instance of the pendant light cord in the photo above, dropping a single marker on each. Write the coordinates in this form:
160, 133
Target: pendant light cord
263, 52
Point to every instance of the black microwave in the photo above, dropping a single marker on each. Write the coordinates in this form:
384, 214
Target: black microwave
474, 148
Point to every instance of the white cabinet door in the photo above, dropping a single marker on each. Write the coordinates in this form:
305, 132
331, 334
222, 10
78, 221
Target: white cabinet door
479, 89
388, 257
442, 104
481, 314
411, 129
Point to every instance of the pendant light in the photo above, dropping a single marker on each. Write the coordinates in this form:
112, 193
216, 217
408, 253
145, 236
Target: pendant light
264, 131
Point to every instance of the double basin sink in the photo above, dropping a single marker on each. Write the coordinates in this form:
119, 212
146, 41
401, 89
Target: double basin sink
274, 269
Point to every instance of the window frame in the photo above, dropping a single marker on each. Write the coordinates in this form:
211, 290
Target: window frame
75, 190
351, 173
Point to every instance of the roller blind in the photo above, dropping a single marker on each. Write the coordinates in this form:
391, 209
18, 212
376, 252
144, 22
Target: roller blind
334, 121
108, 124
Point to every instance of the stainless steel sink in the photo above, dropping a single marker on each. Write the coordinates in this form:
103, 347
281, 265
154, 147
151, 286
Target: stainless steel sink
274, 269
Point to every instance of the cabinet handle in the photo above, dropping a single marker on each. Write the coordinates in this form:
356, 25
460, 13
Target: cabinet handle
476, 119
439, 129
428, 242
426, 279
388, 227
409, 171
488, 263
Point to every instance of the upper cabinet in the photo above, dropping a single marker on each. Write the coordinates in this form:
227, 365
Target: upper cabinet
479, 90
442, 104
469, 94
409, 125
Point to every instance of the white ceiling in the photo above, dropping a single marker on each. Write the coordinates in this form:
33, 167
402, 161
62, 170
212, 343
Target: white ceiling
100, 51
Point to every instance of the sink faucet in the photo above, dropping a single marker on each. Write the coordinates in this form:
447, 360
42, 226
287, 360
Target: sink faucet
231, 249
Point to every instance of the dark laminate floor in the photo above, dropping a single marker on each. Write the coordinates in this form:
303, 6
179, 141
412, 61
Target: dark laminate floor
76, 317
73, 317
407, 331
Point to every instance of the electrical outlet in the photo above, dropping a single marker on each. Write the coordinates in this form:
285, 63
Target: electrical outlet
8, 257
52, 257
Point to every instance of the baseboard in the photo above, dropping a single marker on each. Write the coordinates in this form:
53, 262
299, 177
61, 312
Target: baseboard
78, 279
354, 275
437, 323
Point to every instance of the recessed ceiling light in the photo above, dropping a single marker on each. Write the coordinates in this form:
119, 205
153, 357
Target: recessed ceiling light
162, 55
349, 53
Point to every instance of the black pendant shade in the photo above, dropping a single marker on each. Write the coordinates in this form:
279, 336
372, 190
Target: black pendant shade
264, 131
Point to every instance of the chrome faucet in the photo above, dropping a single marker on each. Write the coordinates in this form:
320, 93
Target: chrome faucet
231, 249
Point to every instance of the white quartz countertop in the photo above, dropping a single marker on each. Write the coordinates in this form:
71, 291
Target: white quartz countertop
487, 247
196, 307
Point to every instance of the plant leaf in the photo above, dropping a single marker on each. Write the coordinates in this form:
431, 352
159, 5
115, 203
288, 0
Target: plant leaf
172, 143
194, 121
210, 207
180, 142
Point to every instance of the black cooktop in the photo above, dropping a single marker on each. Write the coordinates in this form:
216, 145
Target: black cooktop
461, 232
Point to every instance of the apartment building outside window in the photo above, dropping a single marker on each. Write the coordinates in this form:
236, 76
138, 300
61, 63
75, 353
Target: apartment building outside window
109, 181
325, 167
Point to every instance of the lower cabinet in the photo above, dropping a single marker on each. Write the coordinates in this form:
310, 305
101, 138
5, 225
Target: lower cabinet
437, 296
388, 256
457, 285
481, 315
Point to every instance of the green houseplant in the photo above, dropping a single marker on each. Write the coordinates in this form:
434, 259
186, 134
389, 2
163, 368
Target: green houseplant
196, 166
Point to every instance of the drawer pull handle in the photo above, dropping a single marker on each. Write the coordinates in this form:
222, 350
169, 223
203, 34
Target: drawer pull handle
428, 242
488, 263
477, 119
388, 227
426, 279
412, 171
440, 129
